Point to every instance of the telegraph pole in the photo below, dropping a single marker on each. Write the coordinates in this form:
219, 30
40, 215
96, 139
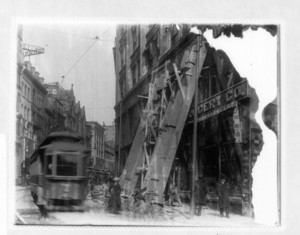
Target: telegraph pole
194, 156
120, 139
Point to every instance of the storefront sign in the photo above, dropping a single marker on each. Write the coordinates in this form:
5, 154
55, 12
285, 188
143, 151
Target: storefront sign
217, 111
222, 101
223, 98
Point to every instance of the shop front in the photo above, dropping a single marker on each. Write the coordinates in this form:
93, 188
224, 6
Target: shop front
229, 139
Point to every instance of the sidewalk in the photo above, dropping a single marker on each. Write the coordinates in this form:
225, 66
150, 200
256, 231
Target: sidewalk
96, 215
22, 187
24, 201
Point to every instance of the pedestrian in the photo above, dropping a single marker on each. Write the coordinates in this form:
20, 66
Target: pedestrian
92, 189
200, 194
114, 203
174, 195
223, 193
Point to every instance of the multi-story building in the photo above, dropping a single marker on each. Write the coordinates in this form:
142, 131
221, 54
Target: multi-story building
32, 109
41, 109
30, 128
109, 146
96, 144
226, 136
20, 118
30, 113
37, 98
74, 115
54, 115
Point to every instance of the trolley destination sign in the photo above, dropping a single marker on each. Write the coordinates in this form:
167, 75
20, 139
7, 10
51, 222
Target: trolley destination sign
222, 101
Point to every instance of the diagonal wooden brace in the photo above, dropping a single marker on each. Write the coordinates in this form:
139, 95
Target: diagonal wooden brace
146, 154
179, 80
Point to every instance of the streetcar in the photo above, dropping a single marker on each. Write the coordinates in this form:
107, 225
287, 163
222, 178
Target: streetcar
58, 172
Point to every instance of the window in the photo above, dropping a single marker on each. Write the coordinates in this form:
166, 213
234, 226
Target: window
135, 36
133, 74
49, 163
122, 56
66, 165
54, 91
24, 112
122, 87
25, 91
33, 96
28, 95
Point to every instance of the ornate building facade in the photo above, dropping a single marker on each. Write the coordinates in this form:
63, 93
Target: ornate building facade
109, 146
41, 109
67, 110
96, 144
30, 125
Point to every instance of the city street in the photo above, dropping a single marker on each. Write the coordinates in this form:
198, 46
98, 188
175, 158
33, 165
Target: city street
95, 214
161, 111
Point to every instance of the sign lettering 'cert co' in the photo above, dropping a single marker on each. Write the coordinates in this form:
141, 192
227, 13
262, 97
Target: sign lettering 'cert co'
221, 102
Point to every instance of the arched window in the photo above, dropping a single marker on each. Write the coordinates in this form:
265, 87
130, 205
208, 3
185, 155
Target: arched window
29, 93
25, 91
25, 112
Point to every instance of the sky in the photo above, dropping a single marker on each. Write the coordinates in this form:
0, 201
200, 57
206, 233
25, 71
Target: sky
72, 51
254, 56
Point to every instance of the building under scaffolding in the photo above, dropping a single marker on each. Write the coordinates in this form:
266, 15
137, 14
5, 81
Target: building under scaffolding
156, 69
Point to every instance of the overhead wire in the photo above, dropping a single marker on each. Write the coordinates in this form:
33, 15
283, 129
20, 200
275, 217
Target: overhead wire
97, 38
64, 76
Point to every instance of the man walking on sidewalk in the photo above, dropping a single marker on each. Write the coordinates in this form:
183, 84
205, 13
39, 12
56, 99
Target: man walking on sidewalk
200, 194
223, 193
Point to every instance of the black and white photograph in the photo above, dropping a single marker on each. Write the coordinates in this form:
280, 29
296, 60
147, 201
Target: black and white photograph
147, 124
149, 117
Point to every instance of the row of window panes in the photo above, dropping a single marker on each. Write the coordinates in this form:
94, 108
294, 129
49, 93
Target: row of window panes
25, 112
52, 91
26, 91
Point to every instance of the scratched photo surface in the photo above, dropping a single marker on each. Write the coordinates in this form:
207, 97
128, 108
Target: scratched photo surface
147, 124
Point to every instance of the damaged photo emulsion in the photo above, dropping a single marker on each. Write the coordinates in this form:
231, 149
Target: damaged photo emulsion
147, 124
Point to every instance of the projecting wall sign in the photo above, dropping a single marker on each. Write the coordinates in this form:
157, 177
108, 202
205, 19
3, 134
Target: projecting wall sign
222, 101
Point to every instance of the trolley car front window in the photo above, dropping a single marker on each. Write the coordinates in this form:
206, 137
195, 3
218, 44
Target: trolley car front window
66, 165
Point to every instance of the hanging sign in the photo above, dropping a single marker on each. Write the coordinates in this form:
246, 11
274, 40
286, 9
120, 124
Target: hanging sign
217, 111
222, 101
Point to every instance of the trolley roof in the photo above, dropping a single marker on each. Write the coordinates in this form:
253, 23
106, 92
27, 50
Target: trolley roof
65, 146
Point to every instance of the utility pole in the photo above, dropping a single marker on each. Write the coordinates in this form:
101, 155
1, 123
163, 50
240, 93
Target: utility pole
120, 137
194, 156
